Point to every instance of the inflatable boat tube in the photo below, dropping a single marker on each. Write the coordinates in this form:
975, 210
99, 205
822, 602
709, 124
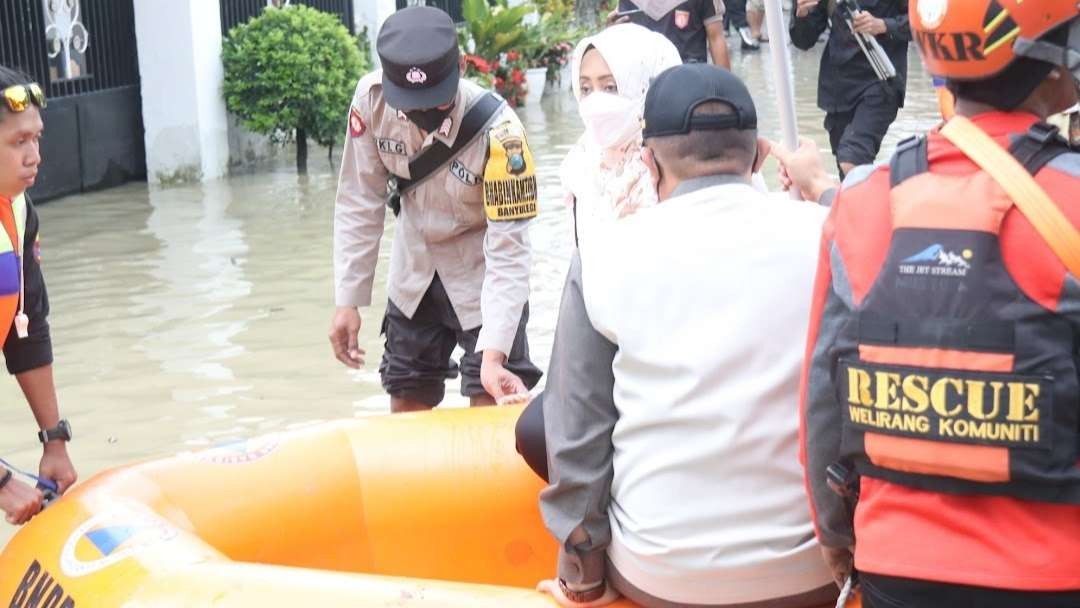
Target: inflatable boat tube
410, 510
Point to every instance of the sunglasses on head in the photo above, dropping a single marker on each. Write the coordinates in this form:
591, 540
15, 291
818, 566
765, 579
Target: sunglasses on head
19, 97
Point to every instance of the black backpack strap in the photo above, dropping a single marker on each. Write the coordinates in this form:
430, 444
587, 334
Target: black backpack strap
1034, 150
1038, 147
910, 159
438, 154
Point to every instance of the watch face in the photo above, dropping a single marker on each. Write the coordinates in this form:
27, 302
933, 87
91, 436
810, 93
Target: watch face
65, 430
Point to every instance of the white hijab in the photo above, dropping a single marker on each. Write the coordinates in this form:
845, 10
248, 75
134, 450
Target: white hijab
608, 179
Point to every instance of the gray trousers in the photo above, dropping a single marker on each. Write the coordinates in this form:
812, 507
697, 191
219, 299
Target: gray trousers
824, 597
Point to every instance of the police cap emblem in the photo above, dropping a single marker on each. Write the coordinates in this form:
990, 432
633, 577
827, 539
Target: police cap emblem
416, 76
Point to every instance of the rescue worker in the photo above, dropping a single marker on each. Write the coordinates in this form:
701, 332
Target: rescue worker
859, 108
24, 304
458, 168
940, 391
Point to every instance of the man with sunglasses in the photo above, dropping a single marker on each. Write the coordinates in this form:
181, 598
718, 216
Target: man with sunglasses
453, 163
24, 304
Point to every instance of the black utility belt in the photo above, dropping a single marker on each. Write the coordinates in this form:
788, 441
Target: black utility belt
983, 408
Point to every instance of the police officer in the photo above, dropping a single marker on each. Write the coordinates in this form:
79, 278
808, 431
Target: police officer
695, 27
457, 164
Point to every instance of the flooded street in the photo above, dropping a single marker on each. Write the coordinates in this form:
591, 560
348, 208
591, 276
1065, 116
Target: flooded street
191, 316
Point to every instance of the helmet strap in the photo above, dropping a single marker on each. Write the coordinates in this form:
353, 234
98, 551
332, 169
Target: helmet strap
1067, 56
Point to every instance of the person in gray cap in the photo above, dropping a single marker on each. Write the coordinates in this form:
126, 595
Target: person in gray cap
453, 163
671, 407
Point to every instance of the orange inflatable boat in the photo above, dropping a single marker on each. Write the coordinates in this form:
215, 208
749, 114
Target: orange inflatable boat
409, 510
418, 510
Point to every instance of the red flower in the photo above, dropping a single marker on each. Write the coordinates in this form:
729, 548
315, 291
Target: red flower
513, 56
517, 76
499, 82
478, 62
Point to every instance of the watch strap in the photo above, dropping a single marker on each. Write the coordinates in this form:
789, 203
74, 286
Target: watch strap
583, 597
60, 431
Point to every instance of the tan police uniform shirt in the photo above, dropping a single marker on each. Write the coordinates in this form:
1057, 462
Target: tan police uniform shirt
444, 225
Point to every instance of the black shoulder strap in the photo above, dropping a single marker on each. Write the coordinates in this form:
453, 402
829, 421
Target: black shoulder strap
438, 154
909, 160
1034, 149
1038, 147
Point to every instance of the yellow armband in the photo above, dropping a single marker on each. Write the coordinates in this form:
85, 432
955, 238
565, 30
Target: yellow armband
509, 176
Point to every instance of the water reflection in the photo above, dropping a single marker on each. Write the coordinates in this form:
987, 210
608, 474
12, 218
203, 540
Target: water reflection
195, 315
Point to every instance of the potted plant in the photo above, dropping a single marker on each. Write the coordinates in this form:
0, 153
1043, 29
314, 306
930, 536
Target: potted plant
551, 41
493, 36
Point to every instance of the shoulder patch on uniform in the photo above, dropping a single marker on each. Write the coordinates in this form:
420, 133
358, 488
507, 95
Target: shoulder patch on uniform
510, 191
356, 123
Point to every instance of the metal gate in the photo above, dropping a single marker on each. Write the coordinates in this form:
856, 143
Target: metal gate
83, 52
235, 12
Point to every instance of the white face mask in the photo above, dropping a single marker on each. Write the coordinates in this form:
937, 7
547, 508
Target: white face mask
610, 120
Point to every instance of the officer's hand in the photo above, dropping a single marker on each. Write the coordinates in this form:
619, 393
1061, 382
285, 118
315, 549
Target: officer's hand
19, 501
840, 561
803, 7
56, 466
344, 337
865, 23
498, 381
803, 169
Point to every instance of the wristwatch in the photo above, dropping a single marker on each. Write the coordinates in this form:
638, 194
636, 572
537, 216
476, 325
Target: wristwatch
583, 597
62, 432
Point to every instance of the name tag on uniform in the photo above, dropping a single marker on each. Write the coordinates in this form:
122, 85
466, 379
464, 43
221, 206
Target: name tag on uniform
458, 170
390, 146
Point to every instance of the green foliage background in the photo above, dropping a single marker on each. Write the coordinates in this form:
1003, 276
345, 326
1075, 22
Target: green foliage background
293, 68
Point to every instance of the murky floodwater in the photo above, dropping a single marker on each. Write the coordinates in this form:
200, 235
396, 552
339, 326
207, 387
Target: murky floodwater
195, 315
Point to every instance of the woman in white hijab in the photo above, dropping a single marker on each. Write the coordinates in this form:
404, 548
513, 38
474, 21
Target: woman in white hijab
603, 174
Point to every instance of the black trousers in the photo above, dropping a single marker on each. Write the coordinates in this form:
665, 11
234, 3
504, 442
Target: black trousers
735, 13
890, 592
529, 434
856, 134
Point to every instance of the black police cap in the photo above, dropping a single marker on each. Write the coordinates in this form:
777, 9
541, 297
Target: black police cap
418, 48
677, 91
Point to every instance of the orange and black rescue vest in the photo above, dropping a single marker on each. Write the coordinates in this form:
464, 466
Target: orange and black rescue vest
13, 220
958, 381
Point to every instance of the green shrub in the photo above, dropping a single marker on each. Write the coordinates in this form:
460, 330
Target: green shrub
290, 74
490, 31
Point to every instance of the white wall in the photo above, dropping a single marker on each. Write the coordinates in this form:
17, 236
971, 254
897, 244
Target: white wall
183, 110
371, 14
189, 135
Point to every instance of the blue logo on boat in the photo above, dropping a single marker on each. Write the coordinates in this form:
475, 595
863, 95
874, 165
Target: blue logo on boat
109, 539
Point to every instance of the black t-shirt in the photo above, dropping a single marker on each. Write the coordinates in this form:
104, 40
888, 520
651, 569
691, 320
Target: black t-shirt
845, 74
684, 26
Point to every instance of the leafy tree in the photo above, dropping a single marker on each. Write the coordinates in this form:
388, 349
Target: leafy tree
290, 74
